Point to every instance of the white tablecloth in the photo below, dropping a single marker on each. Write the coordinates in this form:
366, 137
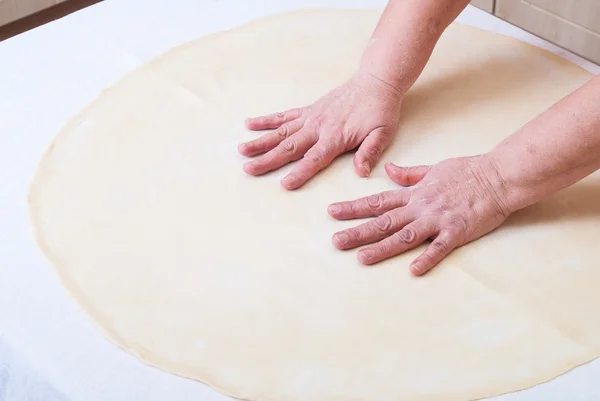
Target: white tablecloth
48, 350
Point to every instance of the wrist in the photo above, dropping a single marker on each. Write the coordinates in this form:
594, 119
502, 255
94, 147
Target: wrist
377, 85
390, 81
511, 183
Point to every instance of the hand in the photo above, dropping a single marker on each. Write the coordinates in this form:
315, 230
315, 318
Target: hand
364, 110
453, 202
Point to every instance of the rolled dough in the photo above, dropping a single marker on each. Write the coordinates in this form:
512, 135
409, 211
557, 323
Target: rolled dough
183, 260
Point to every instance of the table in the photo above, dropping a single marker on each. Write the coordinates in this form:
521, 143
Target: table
48, 350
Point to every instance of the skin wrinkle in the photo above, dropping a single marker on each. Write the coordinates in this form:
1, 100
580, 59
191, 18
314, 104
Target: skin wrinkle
489, 181
454, 198
332, 129
468, 197
393, 59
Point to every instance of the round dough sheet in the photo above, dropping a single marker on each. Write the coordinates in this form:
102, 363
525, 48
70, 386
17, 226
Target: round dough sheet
196, 268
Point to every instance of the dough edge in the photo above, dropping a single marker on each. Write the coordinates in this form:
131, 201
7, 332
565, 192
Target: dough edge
148, 358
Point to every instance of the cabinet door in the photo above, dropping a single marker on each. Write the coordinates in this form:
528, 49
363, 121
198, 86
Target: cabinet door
486, 5
572, 24
13, 10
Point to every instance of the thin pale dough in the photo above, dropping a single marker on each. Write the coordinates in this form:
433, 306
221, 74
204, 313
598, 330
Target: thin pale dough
142, 207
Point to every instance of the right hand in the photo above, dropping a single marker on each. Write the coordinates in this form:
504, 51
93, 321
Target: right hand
364, 112
453, 202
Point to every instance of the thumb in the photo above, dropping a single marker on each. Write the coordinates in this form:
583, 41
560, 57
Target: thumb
406, 176
369, 152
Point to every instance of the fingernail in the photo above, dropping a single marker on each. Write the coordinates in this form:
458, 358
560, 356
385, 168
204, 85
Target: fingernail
366, 255
288, 181
335, 209
250, 166
342, 238
415, 269
367, 166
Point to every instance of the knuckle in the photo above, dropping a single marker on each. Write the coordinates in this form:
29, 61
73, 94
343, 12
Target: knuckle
289, 146
353, 233
428, 259
455, 233
453, 230
374, 150
384, 247
407, 236
458, 225
440, 247
283, 131
311, 122
375, 202
383, 223
281, 115
315, 156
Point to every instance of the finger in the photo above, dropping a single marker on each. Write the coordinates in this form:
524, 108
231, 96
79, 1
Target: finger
411, 236
272, 121
375, 230
316, 159
435, 252
406, 176
293, 148
271, 140
369, 206
369, 153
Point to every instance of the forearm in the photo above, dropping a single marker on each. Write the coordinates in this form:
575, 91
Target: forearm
405, 37
558, 148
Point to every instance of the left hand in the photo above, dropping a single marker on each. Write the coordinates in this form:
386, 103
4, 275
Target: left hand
364, 112
453, 202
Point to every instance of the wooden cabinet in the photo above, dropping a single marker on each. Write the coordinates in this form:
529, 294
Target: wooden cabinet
485, 5
11, 10
571, 24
